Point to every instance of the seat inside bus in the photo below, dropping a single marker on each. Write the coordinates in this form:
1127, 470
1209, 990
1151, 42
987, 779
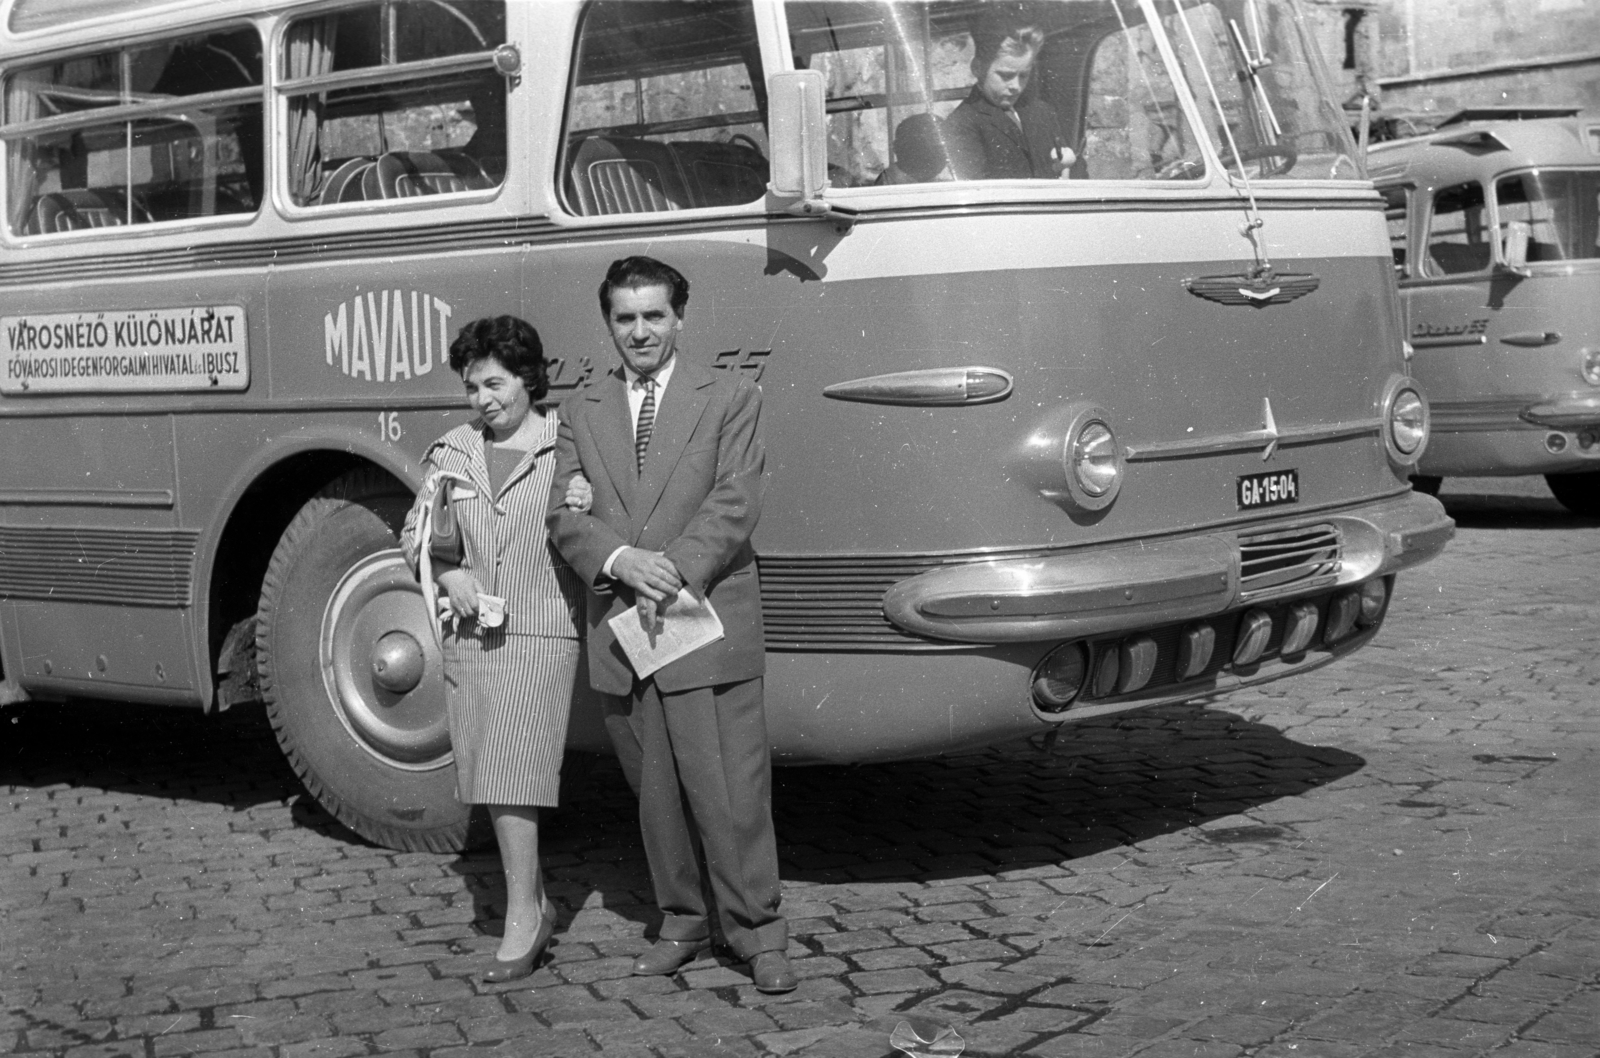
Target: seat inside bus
609, 175
84, 208
403, 174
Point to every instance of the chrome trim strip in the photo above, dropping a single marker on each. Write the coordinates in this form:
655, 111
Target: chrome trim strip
376, 75
167, 106
1251, 439
1448, 339
1481, 416
161, 498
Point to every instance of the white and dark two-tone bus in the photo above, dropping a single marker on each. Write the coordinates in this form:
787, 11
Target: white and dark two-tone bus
1040, 449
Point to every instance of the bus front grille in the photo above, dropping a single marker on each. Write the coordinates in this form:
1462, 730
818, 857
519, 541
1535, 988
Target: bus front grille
1288, 561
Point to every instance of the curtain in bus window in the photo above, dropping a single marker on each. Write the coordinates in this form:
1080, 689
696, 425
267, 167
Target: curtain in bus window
921, 92
1557, 207
1458, 237
666, 109
1261, 89
22, 164
311, 45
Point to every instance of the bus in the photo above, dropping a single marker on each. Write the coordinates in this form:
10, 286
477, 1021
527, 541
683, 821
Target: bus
1039, 449
1493, 223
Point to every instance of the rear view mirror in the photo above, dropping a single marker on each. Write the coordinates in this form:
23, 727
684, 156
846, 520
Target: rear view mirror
1514, 248
797, 133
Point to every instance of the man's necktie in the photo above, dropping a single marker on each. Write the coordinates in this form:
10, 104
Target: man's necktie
647, 420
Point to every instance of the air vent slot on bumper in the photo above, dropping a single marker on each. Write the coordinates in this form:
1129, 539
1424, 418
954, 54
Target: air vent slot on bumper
1289, 561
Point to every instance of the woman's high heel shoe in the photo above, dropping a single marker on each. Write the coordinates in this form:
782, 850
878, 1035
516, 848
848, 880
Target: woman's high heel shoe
502, 970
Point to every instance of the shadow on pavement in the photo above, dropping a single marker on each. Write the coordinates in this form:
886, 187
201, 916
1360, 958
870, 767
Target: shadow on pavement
1105, 783
1473, 510
1117, 781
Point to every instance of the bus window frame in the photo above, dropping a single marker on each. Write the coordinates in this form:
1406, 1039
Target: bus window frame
765, 17
1492, 189
1491, 226
1407, 271
282, 91
133, 112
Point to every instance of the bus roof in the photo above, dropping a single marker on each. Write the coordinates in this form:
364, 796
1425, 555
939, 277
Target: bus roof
1467, 147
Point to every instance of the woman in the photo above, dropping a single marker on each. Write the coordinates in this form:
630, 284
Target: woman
509, 679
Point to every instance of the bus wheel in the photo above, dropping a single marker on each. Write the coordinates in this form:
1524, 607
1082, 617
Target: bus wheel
350, 671
1428, 486
1578, 493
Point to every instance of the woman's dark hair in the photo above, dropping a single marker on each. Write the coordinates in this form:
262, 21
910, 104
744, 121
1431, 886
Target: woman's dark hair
631, 273
509, 341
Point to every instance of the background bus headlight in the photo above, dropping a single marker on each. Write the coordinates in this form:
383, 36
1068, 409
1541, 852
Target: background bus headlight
1405, 421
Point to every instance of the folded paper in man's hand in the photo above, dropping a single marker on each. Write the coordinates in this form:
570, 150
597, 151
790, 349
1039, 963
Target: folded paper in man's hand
685, 625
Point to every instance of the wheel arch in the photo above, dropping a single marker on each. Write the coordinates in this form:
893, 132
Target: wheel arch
258, 504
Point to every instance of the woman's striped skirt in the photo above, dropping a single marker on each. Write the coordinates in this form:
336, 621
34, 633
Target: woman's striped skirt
509, 697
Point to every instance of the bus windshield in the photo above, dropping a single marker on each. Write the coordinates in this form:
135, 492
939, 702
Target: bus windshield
1559, 209
1260, 89
926, 92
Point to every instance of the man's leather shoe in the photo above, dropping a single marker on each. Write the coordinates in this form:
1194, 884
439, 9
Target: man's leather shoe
773, 973
666, 956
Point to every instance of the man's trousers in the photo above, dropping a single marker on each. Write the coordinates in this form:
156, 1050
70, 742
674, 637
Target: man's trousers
700, 763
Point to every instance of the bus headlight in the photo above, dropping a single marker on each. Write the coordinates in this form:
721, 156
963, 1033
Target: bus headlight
1590, 365
1093, 460
1405, 421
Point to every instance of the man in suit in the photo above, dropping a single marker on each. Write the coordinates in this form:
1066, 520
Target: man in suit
675, 456
995, 134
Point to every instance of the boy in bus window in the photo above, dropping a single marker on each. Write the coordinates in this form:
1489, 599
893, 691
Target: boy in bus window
996, 134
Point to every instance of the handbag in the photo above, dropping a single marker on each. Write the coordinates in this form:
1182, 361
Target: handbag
446, 544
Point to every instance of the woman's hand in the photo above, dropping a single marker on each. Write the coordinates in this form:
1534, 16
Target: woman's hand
580, 494
462, 588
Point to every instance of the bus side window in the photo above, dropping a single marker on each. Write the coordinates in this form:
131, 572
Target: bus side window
1458, 238
88, 144
372, 117
666, 109
1395, 212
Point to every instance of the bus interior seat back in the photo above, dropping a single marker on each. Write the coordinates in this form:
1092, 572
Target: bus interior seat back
610, 176
722, 174
1454, 258
344, 183
82, 208
409, 174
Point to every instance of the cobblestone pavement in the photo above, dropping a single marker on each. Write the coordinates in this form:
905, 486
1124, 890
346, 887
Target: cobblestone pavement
1394, 856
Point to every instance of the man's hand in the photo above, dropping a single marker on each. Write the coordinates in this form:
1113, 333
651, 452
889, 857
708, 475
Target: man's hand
462, 587
580, 494
649, 573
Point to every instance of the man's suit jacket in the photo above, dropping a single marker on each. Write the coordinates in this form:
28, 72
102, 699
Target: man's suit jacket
697, 501
985, 144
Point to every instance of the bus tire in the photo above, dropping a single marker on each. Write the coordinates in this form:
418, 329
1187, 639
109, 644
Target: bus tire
1578, 493
340, 611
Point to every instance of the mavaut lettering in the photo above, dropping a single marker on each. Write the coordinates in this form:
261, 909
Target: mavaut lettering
387, 335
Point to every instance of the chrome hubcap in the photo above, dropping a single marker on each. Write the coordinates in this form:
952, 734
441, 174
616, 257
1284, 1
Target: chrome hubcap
382, 667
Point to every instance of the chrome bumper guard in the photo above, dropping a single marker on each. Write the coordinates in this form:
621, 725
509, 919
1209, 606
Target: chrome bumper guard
1104, 591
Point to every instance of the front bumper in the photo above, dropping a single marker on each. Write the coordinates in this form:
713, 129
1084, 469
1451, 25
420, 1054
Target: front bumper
1104, 591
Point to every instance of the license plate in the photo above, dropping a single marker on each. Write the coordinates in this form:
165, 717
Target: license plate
1268, 490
